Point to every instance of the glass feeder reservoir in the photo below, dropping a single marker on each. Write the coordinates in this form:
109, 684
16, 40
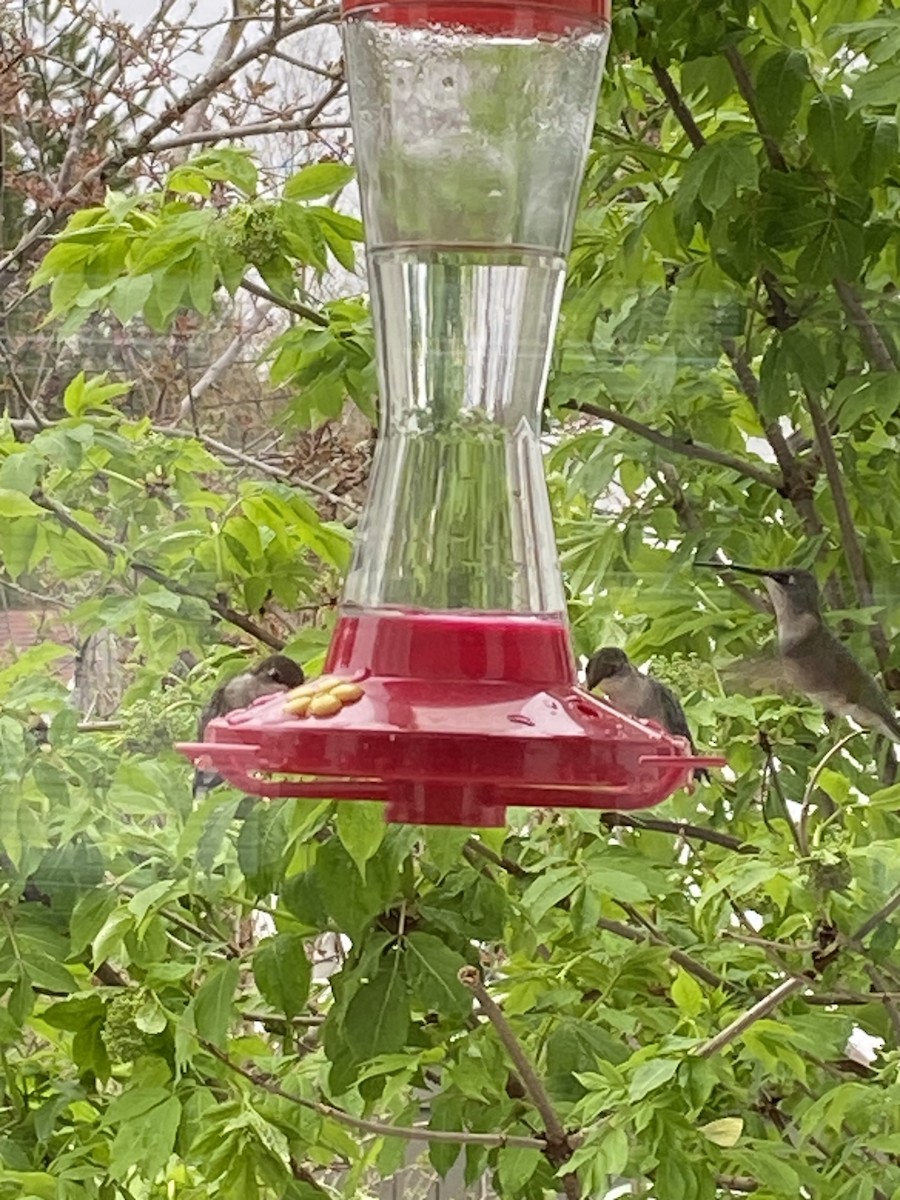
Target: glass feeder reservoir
450, 688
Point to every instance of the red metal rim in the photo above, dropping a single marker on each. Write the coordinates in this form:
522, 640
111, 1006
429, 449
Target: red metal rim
510, 18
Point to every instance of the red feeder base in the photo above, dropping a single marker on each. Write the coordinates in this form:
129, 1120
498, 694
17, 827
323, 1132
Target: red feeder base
460, 716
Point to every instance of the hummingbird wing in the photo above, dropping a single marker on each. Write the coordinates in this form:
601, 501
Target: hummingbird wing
235, 693
671, 715
668, 711
762, 676
830, 674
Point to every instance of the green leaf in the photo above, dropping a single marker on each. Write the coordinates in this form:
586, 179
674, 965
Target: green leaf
361, 827
19, 472
649, 1076
725, 1132
147, 1142
15, 504
515, 1166
720, 170
877, 88
432, 970
318, 179
834, 132
283, 973
687, 994
150, 898
214, 1003
129, 297
377, 1017
779, 90
261, 846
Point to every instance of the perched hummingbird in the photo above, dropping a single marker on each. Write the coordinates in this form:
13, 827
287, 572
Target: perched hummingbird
274, 674
813, 659
637, 694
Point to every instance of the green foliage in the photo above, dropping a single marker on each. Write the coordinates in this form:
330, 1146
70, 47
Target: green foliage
733, 274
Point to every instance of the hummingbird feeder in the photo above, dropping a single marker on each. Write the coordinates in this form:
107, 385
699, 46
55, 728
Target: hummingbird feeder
450, 689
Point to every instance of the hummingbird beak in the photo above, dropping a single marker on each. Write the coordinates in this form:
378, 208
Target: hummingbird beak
722, 567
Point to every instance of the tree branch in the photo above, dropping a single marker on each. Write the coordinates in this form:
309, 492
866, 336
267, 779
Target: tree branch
292, 306
746, 89
232, 133
877, 351
112, 551
266, 468
796, 485
741, 1024
558, 1147
786, 988
676, 446
692, 965
223, 363
211, 82
850, 541
630, 932
676, 102
412, 1133
695, 833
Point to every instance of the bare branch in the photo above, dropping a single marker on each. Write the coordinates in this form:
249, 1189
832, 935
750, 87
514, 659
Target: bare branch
229, 452
698, 833
692, 965
741, 1024
414, 1133
231, 133
676, 102
558, 1148
223, 363
850, 540
877, 351
676, 446
113, 551
292, 306
745, 87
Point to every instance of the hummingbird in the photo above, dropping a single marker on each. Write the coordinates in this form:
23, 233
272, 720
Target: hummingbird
274, 674
638, 695
813, 659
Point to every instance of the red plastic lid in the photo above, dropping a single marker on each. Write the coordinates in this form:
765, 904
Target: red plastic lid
513, 18
449, 719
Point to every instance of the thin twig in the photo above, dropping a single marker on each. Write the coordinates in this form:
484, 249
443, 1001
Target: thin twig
223, 363
114, 551
677, 105
850, 540
887, 1000
878, 918
741, 1024
558, 1147
19, 387
796, 483
811, 787
292, 306
414, 1133
230, 133
787, 988
695, 833
745, 87
692, 965
879, 354
773, 775
266, 468
685, 449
